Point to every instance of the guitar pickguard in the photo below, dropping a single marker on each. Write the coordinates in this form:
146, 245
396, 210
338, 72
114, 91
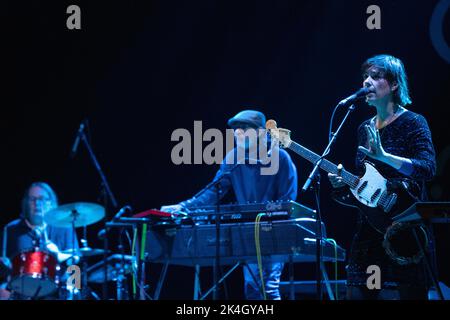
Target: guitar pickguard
367, 194
371, 187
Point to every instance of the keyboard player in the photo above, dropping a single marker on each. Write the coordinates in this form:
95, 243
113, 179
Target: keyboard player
250, 185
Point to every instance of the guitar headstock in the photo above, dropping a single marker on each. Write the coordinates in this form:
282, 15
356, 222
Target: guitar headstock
279, 134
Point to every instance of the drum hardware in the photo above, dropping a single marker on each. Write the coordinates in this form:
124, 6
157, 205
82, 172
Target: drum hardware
75, 215
68, 290
114, 266
118, 267
135, 263
72, 293
35, 273
82, 253
85, 252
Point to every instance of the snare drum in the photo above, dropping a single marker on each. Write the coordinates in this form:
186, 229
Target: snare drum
34, 273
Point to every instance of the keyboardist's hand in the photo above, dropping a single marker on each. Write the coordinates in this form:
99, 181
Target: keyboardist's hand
175, 208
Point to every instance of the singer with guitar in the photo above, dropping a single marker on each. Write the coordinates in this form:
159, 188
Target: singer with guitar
398, 143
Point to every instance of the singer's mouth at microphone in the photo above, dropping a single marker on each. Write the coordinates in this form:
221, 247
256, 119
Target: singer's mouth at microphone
371, 91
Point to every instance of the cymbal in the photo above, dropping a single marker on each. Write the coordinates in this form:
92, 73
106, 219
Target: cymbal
84, 252
78, 214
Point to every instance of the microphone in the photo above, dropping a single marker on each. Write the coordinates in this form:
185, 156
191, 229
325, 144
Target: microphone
121, 212
357, 95
101, 234
77, 139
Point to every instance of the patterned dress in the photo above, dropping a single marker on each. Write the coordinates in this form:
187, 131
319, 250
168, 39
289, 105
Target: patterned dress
407, 136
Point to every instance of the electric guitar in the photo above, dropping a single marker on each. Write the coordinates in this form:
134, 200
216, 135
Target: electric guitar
377, 198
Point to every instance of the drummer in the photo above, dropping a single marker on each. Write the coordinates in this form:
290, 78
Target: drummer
30, 230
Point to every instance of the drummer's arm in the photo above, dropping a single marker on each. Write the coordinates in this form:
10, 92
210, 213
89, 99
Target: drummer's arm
70, 241
9, 242
64, 241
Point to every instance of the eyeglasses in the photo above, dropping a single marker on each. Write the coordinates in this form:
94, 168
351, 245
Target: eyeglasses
40, 199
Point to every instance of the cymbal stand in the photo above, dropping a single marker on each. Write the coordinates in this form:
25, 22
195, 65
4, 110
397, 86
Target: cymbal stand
73, 290
85, 290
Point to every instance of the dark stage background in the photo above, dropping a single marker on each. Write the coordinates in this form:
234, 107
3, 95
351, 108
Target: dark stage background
137, 70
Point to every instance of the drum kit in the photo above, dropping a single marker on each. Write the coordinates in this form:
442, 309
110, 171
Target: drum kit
38, 273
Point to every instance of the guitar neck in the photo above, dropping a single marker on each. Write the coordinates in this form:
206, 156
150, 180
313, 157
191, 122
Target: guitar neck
349, 179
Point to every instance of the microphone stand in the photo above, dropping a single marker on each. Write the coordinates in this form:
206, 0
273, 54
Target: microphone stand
314, 183
105, 184
217, 259
107, 194
216, 184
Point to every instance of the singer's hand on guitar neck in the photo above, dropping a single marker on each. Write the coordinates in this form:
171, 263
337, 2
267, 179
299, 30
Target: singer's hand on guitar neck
336, 179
